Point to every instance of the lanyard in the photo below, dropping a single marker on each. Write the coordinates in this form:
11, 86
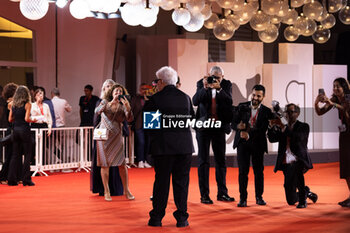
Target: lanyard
253, 119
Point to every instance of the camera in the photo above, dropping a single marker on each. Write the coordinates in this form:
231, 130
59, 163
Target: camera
212, 79
276, 109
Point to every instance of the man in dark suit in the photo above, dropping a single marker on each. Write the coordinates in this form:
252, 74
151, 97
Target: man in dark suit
171, 148
214, 100
293, 158
250, 122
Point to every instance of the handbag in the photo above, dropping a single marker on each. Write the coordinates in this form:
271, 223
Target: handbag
100, 134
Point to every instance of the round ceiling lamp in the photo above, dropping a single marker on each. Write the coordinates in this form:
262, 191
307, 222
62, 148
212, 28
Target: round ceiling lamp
259, 21
34, 9
195, 24
291, 33
181, 16
269, 35
238, 5
334, 5
297, 3
79, 9
206, 12
169, 5
311, 27
344, 15
209, 23
224, 29
321, 35
227, 4
195, 6
291, 17
313, 9
329, 21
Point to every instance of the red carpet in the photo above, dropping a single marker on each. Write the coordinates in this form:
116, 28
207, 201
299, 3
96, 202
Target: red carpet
63, 203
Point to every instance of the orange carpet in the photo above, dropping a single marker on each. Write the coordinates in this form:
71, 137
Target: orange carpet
63, 203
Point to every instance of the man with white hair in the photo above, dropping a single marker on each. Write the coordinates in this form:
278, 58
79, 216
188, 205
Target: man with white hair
170, 147
214, 100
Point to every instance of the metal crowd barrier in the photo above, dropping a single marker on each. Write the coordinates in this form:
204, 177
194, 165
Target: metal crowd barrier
66, 148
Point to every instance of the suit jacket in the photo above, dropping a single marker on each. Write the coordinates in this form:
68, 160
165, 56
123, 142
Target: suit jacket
298, 144
170, 141
257, 135
203, 99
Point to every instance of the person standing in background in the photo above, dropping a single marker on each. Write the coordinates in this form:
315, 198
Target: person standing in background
20, 116
137, 104
61, 106
87, 105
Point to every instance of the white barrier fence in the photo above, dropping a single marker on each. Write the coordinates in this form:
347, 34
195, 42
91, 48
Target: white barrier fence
66, 148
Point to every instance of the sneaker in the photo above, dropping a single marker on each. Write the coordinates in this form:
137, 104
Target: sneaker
147, 165
141, 165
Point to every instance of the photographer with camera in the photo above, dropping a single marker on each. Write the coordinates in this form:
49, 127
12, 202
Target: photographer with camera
340, 100
214, 100
250, 123
293, 158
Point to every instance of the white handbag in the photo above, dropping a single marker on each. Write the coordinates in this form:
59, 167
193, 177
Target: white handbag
100, 134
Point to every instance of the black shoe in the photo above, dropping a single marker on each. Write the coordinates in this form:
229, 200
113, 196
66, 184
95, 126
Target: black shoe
242, 203
312, 196
206, 200
28, 183
344, 202
182, 224
154, 223
11, 183
260, 201
302, 205
226, 198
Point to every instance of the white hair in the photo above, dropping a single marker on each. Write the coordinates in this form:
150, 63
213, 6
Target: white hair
105, 83
168, 75
216, 70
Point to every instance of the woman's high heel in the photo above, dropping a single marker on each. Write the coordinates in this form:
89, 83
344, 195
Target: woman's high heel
108, 197
129, 196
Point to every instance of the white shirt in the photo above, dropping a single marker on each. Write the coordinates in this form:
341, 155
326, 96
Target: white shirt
35, 113
61, 106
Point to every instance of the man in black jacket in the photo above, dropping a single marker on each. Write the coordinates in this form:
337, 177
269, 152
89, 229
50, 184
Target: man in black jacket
171, 147
293, 158
214, 100
251, 122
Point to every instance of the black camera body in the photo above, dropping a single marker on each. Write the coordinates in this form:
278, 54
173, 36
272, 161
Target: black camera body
212, 79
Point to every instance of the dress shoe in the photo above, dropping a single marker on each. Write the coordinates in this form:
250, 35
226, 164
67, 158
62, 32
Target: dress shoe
182, 224
344, 202
242, 203
4, 182
226, 198
147, 165
206, 200
11, 183
302, 205
154, 223
28, 183
312, 196
260, 201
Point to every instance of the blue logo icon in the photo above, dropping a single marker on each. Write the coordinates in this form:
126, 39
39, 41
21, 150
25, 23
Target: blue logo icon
151, 120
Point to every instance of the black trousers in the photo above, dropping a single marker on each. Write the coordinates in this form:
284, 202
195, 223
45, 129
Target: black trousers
218, 141
21, 138
177, 166
245, 151
293, 179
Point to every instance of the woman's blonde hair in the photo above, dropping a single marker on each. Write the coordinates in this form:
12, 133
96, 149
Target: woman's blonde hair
105, 83
21, 96
109, 95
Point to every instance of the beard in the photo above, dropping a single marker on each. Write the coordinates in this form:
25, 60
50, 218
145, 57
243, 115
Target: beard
255, 103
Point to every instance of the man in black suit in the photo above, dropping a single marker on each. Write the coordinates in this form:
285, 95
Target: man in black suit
293, 158
214, 100
250, 122
171, 147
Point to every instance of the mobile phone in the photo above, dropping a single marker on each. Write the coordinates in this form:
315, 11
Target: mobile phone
123, 96
321, 91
